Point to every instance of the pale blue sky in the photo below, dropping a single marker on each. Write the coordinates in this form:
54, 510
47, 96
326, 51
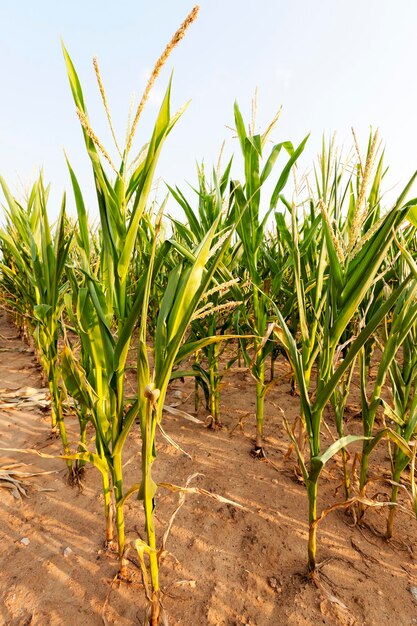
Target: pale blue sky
332, 64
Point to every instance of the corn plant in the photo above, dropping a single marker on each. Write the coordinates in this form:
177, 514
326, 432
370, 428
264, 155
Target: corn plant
186, 286
214, 317
277, 258
402, 370
403, 377
106, 305
338, 205
39, 259
352, 271
251, 231
403, 319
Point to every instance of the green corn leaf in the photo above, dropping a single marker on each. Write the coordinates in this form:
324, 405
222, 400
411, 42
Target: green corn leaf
324, 394
412, 215
190, 348
396, 438
240, 126
391, 413
318, 462
282, 181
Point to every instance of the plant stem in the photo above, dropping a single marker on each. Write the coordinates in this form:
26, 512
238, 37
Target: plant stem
346, 477
108, 509
362, 482
393, 500
120, 519
260, 406
312, 519
58, 418
214, 387
148, 492
196, 396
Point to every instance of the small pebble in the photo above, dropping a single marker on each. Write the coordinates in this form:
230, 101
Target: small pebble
273, 583
67, 552
413, 591
25, 541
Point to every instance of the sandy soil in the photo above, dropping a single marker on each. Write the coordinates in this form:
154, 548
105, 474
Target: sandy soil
226, 566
